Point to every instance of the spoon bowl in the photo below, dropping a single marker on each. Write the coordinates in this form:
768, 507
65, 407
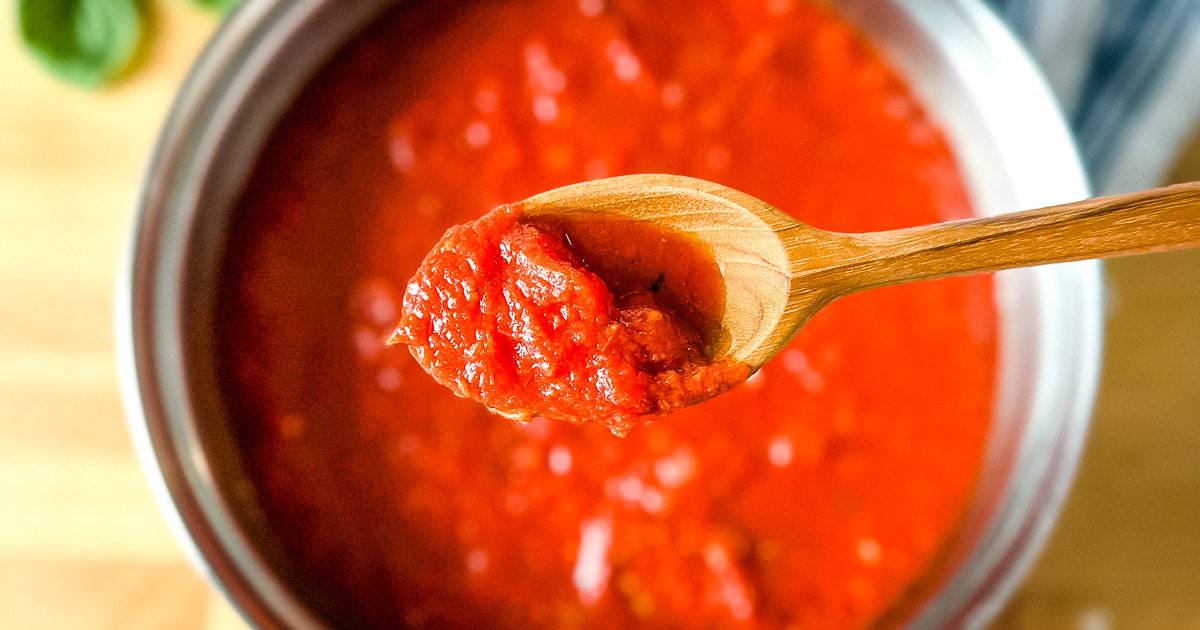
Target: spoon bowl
743, 234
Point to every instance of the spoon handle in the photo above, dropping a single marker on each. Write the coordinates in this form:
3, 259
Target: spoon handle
1153, 220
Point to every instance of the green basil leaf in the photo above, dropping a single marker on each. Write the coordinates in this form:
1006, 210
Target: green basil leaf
223, 6
87, 42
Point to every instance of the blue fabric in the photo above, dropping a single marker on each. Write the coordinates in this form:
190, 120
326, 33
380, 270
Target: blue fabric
1134, 81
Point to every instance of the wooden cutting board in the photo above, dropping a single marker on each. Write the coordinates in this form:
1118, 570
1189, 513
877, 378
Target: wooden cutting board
82, 544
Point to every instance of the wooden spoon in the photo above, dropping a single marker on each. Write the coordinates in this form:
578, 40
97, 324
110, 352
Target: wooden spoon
779, 272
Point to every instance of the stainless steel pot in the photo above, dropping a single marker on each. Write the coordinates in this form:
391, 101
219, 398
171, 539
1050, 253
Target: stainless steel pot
1009, 138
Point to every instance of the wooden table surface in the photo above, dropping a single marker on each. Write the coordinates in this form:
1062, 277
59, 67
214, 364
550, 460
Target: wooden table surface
82, 544
81, 541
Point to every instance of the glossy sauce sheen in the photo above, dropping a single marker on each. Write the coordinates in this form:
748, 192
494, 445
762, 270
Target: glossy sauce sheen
813, 495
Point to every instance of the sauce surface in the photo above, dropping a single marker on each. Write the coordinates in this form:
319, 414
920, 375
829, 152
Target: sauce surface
815, 494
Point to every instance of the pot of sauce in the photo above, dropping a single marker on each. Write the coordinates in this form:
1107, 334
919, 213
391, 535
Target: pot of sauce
1012, 151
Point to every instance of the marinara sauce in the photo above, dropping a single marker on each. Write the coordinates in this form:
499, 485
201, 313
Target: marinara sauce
815, 494
545, 316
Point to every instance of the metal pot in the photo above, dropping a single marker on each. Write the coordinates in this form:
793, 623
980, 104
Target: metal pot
1012, 146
